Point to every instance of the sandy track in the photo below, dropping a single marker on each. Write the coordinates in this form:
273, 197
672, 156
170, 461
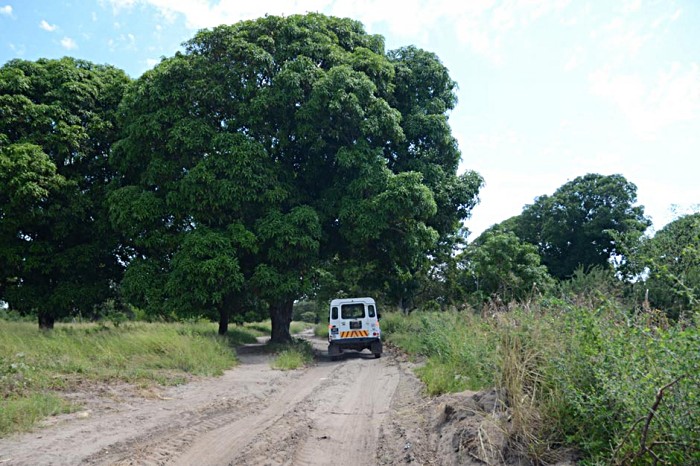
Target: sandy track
340, 412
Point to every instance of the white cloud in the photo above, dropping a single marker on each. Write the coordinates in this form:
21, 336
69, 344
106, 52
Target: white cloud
666, 18
631, 6
118, 5
478, 24
19, 50
622, 37
46, 26
575, 59
650, 107
68, 43
151, 62
6, 10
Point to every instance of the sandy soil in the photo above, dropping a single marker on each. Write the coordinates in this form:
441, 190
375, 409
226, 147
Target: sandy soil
355, 411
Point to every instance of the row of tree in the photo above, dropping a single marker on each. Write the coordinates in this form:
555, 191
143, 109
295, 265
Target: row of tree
590, 223
271, 160
233, 176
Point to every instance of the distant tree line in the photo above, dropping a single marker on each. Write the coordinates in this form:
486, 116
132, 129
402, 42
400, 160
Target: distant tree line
280, 159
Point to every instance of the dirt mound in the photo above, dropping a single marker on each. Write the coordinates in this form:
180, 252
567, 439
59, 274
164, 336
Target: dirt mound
467, 428
476, 428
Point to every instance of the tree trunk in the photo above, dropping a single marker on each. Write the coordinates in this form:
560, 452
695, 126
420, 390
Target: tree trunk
226, 309
281, 317
223, 320
46, 321
403, 305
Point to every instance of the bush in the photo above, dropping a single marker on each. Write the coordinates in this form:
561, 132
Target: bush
309, 317
620, 387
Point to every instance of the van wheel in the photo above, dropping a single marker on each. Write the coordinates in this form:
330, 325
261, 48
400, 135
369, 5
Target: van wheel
376, 348
334, 352
377, 355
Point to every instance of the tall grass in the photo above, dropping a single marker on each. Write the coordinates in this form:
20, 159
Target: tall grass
35, 366
588, 378
458, 346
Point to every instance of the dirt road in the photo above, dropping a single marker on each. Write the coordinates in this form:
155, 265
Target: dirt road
356, 411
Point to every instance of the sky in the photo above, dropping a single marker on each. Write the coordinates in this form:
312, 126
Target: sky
549, 90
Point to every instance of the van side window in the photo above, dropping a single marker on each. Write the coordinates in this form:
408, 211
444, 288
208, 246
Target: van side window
371, 310
334, 313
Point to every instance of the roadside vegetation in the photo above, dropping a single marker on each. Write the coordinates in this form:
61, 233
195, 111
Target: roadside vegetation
618, 386
36, 367
290, 356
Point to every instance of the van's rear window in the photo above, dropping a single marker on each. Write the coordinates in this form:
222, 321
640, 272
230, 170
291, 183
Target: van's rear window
352, 311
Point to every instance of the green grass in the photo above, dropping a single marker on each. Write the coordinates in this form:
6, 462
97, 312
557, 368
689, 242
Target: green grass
35, 366
21, 414
263, 329
298, 327
459, 348
321, 330
292, 356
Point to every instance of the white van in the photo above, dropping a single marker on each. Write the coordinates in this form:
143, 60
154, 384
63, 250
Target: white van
354, 324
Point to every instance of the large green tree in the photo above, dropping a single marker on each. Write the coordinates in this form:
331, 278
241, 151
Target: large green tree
670, 265
577, 225
350, 161
57, 123
499, 264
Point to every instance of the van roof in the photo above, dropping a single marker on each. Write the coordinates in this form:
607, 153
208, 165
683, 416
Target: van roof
339, 301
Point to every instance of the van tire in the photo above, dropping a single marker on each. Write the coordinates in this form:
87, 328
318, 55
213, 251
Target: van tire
334, 352
376, 348
377, 355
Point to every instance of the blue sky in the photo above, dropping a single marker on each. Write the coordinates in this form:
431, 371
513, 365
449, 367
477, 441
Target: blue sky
548, 89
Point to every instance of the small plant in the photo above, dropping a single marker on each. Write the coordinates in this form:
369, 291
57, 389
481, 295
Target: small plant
292, 356
298, 327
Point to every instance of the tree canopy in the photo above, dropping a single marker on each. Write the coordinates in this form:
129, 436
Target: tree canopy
273, 148
499, 264
576, 225
57, 123
670, 263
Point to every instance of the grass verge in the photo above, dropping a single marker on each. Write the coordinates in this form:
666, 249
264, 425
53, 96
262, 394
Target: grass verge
35, 366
